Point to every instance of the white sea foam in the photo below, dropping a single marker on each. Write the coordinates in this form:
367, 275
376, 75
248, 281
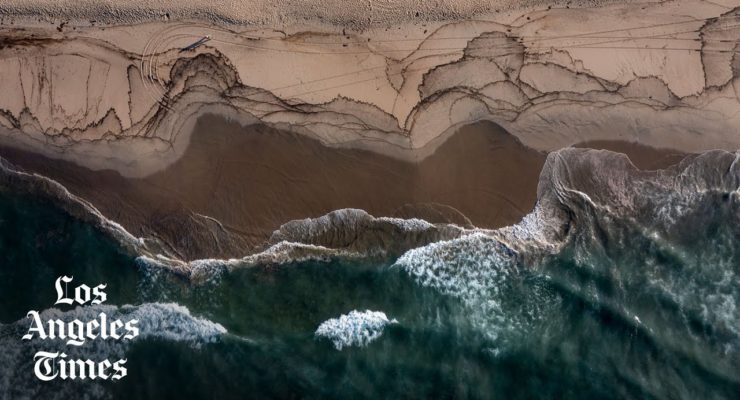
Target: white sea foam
472, 268
408, 225
283, 252
458, 267
483, 273
358, 328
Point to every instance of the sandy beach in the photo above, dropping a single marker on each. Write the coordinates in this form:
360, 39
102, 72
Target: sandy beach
657, 74
210, 134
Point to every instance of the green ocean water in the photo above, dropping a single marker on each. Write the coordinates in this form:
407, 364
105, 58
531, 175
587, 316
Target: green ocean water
615, 314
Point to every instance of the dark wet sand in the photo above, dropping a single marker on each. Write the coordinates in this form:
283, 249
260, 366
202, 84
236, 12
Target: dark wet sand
254, 179
644, 157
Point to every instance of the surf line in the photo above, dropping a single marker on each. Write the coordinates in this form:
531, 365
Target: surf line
52, 365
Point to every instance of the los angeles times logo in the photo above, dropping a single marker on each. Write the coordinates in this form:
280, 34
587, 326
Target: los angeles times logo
51, 365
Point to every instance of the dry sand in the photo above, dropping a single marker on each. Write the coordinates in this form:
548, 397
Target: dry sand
273, 13
124, 97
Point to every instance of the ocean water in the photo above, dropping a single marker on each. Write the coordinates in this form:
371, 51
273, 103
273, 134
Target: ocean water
618, 312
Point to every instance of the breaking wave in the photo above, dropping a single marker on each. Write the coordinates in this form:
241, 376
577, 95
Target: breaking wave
644, 261
358, 328
487, 278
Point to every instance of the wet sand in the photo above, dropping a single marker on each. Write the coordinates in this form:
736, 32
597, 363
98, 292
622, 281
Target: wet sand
235, 185
643, 157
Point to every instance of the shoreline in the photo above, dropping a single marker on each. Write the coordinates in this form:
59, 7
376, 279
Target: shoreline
235, 185
246, 181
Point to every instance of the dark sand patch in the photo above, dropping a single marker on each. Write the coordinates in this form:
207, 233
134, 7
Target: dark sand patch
254, 179
644, 157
